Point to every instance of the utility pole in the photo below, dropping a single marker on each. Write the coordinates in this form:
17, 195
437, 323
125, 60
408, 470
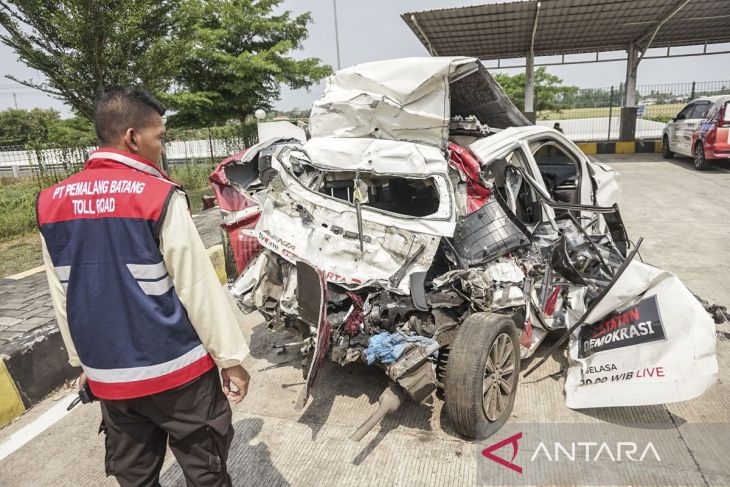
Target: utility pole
337, 34
15, 100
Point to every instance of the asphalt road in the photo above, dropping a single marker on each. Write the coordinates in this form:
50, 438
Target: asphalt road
683, 216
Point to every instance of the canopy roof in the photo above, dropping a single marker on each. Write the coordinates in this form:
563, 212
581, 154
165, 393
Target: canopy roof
505, 30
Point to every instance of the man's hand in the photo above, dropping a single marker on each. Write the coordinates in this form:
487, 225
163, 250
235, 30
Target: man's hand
240, 378
82, 380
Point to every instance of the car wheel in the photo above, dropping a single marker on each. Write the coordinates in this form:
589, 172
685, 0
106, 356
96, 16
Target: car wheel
482, 375
701, 162
666, 153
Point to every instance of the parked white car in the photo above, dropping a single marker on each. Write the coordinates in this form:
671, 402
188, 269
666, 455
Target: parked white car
700, 130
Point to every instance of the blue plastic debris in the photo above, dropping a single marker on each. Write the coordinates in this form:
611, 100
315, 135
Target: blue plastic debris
388, 347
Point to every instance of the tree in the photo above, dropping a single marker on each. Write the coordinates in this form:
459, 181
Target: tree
236, 56
72, 132
549, 89
80, 46
18, 127
211, 60
44, 128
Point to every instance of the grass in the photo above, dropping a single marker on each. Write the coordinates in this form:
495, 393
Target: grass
194, 179
20, 245
17, 196
17, 206
652, 112
20, 254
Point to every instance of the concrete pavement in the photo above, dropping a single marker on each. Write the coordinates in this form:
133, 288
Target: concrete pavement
683, 216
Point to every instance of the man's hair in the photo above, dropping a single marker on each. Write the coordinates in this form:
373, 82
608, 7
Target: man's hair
119, 108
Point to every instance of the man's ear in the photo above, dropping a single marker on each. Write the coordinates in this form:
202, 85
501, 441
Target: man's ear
130, 139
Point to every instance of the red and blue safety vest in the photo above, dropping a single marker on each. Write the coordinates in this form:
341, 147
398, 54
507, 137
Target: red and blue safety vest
130, 330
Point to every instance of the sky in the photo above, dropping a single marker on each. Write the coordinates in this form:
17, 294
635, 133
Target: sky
373, 30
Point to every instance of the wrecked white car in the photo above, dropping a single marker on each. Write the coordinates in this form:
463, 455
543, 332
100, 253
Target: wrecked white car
427, 228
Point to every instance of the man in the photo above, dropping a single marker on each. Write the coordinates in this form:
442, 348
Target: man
139, 304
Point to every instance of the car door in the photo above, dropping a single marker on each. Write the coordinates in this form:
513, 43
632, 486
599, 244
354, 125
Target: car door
570, 177
565, 171
691, 123
521, 199
676, 129
559, 168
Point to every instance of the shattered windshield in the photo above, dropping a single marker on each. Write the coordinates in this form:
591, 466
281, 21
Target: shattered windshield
399, 194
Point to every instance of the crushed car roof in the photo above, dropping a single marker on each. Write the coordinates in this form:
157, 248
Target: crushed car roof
410, 99
375, 156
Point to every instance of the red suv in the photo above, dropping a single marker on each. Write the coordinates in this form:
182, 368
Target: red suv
700, 130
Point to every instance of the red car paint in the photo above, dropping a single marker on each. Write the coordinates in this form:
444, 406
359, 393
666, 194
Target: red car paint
244, 245
465, 162
714, 132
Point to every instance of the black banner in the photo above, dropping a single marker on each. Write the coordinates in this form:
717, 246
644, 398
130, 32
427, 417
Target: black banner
635, 325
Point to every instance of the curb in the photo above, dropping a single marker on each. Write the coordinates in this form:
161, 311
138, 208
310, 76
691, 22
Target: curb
32, 367
36, 364
24, 274
617, 147
11, 406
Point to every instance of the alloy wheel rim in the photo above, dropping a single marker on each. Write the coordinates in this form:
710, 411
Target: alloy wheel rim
498, 377
698, 157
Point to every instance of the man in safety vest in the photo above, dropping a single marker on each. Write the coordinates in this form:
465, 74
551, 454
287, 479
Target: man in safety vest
138, 303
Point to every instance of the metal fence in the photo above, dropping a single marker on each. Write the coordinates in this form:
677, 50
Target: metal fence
594, 113
209, 144
17, 160
206, 146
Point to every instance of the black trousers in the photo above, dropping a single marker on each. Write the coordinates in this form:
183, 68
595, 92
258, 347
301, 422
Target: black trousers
196, 420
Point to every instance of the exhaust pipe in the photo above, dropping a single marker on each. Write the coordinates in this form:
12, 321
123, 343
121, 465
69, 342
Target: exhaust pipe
389, 401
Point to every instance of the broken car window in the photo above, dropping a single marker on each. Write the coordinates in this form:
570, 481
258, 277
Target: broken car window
558, 169
395, 194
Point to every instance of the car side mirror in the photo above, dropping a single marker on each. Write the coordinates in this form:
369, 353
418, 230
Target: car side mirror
680, 117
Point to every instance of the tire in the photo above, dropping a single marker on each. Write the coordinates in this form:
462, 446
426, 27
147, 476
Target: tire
666, 153
701, 162
469, 383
